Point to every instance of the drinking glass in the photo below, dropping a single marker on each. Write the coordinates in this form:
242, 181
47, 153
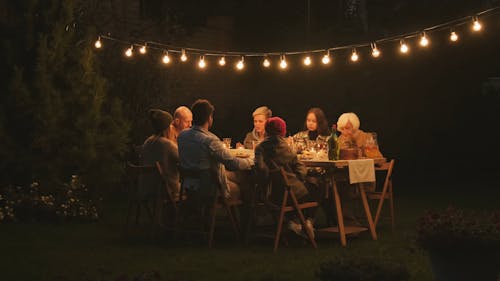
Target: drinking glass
227, 142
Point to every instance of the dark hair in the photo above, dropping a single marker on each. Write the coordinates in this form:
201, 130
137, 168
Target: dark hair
202, 109
320, 119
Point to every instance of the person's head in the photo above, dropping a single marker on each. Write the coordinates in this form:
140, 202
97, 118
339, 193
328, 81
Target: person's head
316, 121
275, 126
348, 124
260, 116
183, 117
160, 120
202, 112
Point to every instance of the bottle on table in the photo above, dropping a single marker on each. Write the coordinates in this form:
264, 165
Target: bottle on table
333, 144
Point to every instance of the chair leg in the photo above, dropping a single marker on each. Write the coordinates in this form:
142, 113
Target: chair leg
303, 220
127, 219
367, 212
280, 222
212, 224
234, 221
391, 202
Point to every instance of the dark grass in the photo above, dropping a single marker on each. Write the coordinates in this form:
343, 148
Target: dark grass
100, 251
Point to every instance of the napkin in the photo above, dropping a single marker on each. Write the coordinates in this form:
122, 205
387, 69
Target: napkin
361, 170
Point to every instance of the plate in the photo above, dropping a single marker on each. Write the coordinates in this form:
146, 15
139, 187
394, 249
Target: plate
242, 155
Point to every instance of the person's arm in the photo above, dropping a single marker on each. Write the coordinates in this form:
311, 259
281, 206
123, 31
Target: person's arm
298, 168
248, 142
222, 155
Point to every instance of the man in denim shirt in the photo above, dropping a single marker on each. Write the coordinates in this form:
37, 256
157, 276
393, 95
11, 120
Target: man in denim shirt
203, 156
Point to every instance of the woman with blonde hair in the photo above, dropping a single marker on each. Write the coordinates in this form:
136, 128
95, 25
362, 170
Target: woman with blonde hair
258, 134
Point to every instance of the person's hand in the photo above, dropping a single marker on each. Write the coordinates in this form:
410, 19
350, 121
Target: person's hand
238, 145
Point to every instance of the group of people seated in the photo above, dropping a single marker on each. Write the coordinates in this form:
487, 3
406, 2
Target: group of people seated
184, 145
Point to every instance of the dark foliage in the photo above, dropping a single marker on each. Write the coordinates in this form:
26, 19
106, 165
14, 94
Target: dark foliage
458, 228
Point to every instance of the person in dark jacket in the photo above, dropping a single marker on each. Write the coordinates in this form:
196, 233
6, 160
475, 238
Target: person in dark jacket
274, 152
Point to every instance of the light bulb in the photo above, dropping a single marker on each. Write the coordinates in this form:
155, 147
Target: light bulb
142, 50
128, 52
326, 59
453, 36
375, 50
202, 63
166, 58
424, 42
183, 55
240, 65
222, 61
476, 26
404, 48
98, 44
307, 61
354, 56
283, 63
266, 63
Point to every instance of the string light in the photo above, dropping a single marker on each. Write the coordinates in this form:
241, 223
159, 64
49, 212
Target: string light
266, 63
403, 47
128, 52
307, 61
241, 64
201, 63
375, 51
183, 56
453, 36
98, 43
166, 58
326, 58
283, 63
424, 42
222, 61
354, 56
476, 25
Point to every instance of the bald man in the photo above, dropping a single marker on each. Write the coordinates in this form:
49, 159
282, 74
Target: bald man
182, 120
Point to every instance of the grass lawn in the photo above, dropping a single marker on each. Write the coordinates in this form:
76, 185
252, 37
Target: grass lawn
99, 250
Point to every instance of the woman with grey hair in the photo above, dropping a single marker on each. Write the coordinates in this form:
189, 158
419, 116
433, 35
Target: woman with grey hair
260, 116
353, 137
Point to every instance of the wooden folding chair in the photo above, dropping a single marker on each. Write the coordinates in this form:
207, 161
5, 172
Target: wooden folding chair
295, 206
289, 203
135, 203
219, 202
153, 206
386, 192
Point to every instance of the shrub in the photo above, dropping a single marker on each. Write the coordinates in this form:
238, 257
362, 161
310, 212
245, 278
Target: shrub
455, 227
33, 203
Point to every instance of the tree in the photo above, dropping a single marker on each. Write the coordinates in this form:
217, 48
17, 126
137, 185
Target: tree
58, 119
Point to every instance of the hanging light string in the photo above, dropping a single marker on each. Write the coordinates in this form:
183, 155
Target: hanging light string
202, 53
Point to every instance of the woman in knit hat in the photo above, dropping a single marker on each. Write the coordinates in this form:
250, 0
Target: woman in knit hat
274, 150
260, 116
158, 147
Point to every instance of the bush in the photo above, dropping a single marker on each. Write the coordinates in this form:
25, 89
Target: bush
455, 227
33, 203
361, 270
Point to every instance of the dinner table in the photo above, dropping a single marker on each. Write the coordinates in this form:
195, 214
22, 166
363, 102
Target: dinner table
336, 169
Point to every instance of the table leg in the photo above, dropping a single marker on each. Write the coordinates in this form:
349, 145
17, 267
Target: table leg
367, 211
340, 217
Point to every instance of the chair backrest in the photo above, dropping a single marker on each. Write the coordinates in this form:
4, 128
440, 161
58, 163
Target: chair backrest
386, 167
135, 172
